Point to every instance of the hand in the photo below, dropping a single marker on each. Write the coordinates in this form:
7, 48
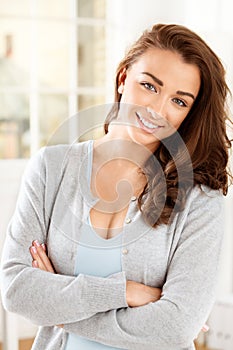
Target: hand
40, 259
138, 294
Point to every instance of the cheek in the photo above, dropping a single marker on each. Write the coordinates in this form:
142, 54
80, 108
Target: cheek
126, 98
176, 118
178, 123
127, 112
131, 94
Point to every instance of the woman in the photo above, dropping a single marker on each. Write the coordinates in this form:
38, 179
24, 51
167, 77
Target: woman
132, 223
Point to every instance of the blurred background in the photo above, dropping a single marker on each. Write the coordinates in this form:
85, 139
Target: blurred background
58, 57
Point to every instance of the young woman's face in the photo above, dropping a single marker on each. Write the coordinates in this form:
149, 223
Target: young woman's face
158, 91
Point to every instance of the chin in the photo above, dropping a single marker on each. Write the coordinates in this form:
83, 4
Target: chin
144, 139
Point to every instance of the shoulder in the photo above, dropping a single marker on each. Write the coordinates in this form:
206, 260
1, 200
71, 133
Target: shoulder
64, 152
53, 161
201, 218
203, 193
204, 202
59, 156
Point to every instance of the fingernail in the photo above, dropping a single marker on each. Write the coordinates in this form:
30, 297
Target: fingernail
37, 243
43, 246
34, 250
206, 328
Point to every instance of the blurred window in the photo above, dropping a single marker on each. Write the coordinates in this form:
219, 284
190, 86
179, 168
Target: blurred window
52, 65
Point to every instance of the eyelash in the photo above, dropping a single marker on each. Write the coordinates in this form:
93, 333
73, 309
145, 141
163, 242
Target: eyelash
178, 101
152, 88
149, 87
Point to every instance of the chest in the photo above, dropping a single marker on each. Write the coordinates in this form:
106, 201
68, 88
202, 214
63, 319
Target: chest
115, 190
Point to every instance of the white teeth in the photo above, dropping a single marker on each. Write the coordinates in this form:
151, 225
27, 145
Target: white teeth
147, 124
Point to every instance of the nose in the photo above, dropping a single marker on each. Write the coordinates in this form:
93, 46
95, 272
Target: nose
153, 113
158, 108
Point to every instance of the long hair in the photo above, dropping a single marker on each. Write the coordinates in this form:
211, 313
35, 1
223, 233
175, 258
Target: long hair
203, 131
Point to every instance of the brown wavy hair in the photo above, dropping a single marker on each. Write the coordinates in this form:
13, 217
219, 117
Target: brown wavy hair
204, 159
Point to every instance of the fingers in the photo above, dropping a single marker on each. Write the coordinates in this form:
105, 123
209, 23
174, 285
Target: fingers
37, 261
205, 328
35, 264
60, 325
43, 247
40, 258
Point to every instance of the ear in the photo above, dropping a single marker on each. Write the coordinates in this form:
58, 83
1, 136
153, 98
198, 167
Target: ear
121, 81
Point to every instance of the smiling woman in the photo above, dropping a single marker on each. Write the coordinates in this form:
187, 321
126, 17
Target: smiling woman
125, 231
161, 81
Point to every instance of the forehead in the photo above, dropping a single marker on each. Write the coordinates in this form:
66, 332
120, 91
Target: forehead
169, 67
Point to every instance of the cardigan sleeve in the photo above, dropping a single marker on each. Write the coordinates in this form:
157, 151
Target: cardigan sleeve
187, 296
46, 298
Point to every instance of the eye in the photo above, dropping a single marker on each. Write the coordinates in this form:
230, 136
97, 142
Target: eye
149, 86
179, 102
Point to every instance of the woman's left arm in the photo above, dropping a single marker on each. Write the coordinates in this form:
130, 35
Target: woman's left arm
187, 296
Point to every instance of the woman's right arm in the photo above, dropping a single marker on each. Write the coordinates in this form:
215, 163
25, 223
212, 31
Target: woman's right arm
137, 294
43, 297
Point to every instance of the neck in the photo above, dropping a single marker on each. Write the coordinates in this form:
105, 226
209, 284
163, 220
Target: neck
120, 133
122, 150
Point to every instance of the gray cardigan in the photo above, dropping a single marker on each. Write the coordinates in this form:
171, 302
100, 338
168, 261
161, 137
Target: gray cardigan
181, 258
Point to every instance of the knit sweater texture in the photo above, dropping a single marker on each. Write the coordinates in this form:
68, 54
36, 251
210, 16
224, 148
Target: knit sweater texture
180, 258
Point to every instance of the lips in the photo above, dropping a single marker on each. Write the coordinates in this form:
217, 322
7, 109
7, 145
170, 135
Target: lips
147, 124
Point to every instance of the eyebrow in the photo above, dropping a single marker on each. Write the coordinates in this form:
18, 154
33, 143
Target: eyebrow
185, 93
158, 81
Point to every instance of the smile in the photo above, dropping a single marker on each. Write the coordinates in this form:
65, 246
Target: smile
146, 123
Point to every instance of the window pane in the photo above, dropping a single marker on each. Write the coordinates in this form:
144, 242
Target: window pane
53, 111
88, 101
91, 8
91, 56
53, 54
14, 53
91, 116
14, 126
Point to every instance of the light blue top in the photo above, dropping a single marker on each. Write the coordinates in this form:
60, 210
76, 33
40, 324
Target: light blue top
95, 256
